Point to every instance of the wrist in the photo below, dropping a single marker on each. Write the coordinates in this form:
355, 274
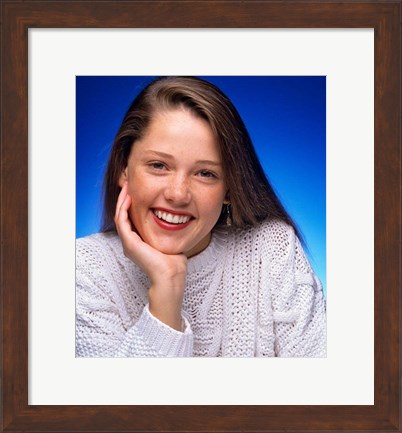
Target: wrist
173, 319
169, 284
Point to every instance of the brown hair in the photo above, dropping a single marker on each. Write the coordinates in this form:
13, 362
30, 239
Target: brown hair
251, 195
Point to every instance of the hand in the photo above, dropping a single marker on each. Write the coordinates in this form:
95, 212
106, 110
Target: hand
166, 272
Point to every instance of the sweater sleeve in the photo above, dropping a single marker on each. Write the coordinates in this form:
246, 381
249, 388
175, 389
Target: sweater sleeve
299, 309
103, 326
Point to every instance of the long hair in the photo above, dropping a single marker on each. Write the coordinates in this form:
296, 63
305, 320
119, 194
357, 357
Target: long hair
251, 196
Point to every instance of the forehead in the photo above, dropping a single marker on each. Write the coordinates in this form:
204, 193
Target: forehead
178, 120
179, 131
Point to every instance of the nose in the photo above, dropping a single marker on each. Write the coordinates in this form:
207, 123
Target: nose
177, 190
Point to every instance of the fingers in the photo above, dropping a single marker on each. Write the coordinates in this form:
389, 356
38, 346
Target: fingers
120, 200
122, 220
121, 217
130, 239
133, 247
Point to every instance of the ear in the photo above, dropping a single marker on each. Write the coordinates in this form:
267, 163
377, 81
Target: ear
226, 200
123, 178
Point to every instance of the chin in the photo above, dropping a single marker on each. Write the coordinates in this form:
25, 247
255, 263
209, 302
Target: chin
169, 249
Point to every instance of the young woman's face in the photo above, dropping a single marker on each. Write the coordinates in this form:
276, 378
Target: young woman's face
176, 183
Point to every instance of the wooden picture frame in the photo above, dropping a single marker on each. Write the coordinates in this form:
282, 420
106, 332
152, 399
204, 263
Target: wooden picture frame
17, 17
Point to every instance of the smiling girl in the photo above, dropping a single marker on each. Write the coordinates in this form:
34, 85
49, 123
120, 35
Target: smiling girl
197, 256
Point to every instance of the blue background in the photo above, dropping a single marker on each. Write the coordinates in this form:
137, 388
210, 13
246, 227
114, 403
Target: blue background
286, 119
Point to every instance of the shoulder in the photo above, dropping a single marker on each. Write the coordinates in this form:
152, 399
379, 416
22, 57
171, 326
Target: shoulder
96, 240
91, 249
270, 233
275, 230
270, 241
282, 245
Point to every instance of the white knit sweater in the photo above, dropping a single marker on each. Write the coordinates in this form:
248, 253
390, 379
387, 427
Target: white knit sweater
249, 293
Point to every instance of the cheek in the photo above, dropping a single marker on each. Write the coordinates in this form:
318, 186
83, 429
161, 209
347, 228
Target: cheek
212, 204
143, 193
139, 189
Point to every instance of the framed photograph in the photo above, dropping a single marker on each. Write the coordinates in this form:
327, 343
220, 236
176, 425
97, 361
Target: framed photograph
45, 45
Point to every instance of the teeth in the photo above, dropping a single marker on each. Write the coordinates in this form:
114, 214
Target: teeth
170, 218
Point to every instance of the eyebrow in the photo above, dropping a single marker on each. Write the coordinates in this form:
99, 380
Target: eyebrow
168, 156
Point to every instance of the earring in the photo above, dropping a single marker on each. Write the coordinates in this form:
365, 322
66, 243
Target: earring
228, 215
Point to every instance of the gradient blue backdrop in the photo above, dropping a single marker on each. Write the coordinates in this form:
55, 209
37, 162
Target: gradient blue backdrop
285, 117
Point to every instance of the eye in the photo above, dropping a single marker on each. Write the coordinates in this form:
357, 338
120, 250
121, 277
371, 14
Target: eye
157, 165
207, 174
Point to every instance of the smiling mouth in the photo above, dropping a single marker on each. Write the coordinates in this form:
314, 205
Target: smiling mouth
171, 218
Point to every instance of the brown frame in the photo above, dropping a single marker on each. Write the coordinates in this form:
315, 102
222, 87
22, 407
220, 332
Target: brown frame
17, 18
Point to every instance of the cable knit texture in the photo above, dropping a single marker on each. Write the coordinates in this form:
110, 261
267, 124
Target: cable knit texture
251, 293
